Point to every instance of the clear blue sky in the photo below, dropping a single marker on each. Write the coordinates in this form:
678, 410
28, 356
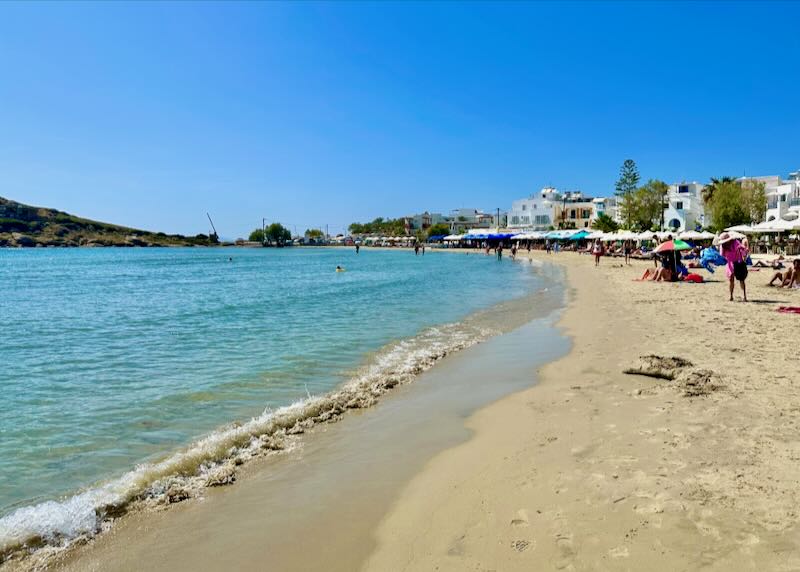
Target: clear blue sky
151, 114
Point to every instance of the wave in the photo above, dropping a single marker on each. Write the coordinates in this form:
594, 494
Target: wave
214, 459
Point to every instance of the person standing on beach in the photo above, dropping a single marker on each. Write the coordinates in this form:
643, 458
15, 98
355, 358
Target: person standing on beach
627, 248
736, 254
357, 248
513, 251
597, 250
547, 246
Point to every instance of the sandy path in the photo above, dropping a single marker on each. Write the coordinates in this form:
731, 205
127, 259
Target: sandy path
596, 470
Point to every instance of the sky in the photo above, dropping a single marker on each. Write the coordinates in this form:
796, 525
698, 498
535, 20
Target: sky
311, 114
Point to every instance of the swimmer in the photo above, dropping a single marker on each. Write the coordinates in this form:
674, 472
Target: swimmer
339, 269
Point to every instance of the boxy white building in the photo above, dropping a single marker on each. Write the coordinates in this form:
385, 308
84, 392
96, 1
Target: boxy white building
550, 208
783, 197
685, 208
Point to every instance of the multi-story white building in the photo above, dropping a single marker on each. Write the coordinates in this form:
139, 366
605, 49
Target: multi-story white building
551, 209
606, 206
464, 219
685, 209
536, 212
783, 196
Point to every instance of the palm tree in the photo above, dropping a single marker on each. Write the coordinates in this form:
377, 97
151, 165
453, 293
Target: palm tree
711, 188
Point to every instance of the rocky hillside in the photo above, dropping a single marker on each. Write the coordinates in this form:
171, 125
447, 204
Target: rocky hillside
24, 225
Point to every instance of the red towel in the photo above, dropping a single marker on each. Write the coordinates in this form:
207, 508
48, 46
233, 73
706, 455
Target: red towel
789, 309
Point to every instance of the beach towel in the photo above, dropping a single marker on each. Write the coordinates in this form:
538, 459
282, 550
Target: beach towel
710, 257
696, 278
789, 309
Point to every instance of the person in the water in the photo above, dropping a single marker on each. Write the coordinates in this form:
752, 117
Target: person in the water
339, 269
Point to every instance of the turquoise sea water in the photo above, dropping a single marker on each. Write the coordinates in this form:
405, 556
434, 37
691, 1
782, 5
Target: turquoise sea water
112, 357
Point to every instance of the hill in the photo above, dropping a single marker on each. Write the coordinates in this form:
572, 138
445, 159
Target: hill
24, 225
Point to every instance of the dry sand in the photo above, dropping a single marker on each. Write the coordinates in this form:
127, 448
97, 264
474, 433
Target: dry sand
593, 469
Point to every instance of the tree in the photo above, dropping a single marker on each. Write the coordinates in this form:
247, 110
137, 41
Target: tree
278, 234
711, 188
605, 223
257, 235
389, 227
313, 233
647, 206
439, 229
625, 187
735, 203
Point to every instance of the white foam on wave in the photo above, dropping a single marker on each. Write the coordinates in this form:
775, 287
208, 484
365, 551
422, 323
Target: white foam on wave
212, 459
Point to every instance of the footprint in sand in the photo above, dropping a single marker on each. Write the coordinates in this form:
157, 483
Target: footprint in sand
522, 545
521, 519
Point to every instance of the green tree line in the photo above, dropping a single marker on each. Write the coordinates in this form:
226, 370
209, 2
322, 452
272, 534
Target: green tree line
387, 227
275, 234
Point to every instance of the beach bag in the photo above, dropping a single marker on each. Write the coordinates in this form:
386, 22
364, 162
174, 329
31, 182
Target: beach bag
740, 270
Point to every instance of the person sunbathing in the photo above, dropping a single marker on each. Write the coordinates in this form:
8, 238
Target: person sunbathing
789, 277
657, 275
776, 264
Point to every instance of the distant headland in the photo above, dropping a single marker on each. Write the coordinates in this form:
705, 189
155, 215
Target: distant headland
28, 226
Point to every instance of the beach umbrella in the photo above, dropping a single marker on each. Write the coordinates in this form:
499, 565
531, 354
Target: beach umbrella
672, 245
742, 228
579, 235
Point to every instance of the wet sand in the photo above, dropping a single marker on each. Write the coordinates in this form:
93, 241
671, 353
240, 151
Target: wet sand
593, 469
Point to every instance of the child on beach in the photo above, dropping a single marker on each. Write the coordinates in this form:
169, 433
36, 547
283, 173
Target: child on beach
736, 254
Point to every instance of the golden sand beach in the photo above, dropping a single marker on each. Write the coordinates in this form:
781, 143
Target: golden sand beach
593, 469
590, 469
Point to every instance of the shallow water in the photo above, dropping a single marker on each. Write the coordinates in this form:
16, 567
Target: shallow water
115, 357
317, 507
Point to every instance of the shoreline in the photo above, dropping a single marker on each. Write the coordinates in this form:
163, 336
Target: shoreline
464, 334
595, 469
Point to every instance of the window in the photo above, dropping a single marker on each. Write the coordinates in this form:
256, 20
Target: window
683, 188
524, 206
514, 220
541, 219
679, 205
572, 213
525, 219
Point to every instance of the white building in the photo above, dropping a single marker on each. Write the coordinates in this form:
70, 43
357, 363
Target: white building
783, 196
537, 212
422, 221
551, 209
606, 206
464, 219
685, 208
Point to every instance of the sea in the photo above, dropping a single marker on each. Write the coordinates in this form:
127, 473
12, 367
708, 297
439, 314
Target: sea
128, 372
